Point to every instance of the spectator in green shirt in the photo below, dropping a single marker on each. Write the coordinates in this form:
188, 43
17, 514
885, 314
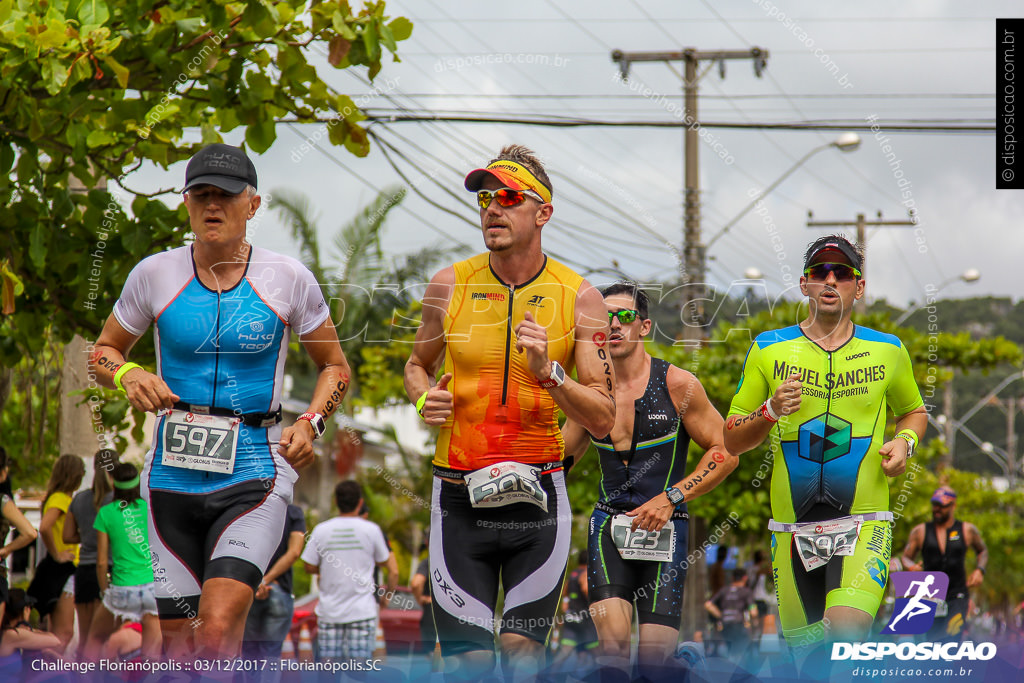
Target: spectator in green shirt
128, 594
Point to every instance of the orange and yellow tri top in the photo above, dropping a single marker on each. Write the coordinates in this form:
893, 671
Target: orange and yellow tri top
500, 410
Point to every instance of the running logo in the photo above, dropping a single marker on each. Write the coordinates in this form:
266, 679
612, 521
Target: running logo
917, 596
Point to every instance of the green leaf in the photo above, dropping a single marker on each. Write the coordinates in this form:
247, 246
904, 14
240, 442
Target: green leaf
357, 142
190, 26
6, 158
136, 240
120, 72
98, 138
387, 38
260, 135
37, 245
372, 42
53, 34
54, 75
342, 27
93, 12
401, 28
81, 70
210, 134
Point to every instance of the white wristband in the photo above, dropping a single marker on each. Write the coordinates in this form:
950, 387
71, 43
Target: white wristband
768, 409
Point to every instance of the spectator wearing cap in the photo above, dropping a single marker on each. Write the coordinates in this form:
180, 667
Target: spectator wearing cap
943, 544
222, 468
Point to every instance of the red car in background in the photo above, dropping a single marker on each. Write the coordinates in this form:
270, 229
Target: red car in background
400, 621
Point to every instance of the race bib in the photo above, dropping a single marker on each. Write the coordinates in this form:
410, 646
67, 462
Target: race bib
200, 442
817, 543
941, 608
657, 546
506, 483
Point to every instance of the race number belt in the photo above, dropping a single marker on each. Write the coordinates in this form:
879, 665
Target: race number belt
248, 419
200, 442
505, 483
605, 507
657, 546
818, 542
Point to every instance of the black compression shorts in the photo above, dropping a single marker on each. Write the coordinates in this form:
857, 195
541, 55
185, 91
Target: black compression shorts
470, 548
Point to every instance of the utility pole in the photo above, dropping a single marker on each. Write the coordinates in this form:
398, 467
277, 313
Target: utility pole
861, 224
694, 252
1010, 406
949, 428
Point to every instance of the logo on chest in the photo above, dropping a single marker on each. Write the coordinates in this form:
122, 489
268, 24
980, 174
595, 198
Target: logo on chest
487, 296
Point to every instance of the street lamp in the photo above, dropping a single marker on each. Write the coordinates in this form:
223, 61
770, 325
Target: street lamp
969, 275
949, 426
846, 142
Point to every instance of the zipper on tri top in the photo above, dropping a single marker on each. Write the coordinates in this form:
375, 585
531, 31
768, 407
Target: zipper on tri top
508, 345
828, 411
216, 354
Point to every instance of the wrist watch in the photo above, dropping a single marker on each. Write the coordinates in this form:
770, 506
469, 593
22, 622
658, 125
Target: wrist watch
911, 442
316, 420
557, 377
675, 496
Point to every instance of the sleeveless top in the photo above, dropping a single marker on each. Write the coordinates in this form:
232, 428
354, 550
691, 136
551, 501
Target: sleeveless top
500, 410
951, 561
656, 457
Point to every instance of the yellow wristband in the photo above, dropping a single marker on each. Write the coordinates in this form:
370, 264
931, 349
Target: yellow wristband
910, 435
121, 372
420, 401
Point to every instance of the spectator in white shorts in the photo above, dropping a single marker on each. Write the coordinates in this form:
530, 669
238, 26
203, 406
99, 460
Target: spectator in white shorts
121, 526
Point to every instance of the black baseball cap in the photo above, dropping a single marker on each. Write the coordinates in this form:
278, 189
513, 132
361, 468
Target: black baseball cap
222, 166
834, 243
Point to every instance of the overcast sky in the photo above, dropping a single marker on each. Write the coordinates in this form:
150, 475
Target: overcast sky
617, 191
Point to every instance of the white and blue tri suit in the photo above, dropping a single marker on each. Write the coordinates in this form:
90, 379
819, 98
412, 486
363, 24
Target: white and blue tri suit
222, 354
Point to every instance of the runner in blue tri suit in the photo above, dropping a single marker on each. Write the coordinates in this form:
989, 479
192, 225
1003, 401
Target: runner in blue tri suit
645, 487
221, 470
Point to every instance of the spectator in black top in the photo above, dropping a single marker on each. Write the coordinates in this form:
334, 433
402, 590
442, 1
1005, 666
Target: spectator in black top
943, 544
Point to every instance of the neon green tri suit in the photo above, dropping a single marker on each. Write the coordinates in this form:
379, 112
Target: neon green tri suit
830, 467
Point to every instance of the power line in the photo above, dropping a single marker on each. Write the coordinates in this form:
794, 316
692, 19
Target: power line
915, 126
709, 96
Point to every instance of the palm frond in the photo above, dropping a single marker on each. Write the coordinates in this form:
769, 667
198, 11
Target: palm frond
297, 213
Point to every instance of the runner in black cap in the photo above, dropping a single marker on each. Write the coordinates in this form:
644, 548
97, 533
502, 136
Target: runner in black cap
821, 391
222, 467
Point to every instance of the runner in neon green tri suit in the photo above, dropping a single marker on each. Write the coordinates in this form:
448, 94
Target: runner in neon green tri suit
821, 388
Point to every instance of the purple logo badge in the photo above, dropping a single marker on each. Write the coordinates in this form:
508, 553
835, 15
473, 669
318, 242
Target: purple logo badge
917, 596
